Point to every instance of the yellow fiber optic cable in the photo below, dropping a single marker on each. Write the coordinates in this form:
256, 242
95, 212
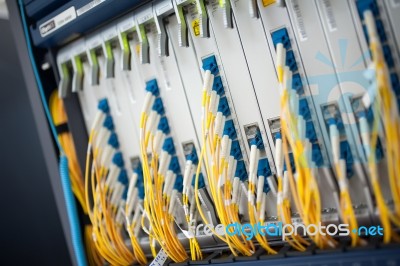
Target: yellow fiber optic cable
157, 212
304, 190
384, 107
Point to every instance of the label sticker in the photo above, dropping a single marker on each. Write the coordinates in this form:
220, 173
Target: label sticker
57, 22
163, 7
329, 15
267, 2
88, 7
298, 17
160, 259
144, 16
195, 26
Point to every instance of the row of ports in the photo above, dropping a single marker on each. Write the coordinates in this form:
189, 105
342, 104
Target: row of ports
163, 125
282, 36
210, 63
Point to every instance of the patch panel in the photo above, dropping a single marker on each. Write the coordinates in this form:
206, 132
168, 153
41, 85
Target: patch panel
281, 26
187, 59
259, 61
89, 93
350, 60
137, 63
236, 85
210, 63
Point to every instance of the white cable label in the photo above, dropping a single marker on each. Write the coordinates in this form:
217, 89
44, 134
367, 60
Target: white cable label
163, 7
299, 21
57, 22
160, 259
88, 7
329, 15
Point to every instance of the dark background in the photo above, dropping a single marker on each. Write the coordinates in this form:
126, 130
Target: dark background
31, 232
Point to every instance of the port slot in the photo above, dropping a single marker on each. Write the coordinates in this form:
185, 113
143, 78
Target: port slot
190, 152
164, 126
168, 146
316, 155
210, 63
291, 61
364, 5
275, 127
174, 165
241, 171
297, 84
229, 129
264, 169
332, 111
137, 168
281, 36
345, 153
218, 86
236, 152
360, 110
304, 109
253, 135
223, 107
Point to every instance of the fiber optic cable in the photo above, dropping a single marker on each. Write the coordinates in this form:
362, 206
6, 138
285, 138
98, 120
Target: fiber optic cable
77, 182
283, 202
159, 208
301, 184
195, 250
255, 210
346, 206
108, 181
214, 154
66, 142
133, 224
384, 107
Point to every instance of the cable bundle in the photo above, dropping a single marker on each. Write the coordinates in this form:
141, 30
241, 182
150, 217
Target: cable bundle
220, 169
382, 100
189, 204
106, 188
257, 211
160, 178
300, 183
77, 183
